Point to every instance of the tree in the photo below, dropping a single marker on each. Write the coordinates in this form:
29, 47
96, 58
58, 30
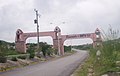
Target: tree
44, 47
67, 48
31, 50
3, 51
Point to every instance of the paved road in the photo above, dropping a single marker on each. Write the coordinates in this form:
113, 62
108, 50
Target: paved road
60, 67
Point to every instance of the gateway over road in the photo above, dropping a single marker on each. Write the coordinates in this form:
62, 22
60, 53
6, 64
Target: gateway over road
58, 38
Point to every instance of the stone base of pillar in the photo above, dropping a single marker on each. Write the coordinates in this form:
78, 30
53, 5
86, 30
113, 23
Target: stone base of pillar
97, 43
20, 46
55, 45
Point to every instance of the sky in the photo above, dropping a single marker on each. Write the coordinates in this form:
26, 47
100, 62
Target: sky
72, 16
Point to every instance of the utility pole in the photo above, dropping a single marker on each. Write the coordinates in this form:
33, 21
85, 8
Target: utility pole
36, 22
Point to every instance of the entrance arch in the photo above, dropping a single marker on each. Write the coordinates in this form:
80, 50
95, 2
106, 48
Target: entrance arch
95, 37
21, 37
58, 39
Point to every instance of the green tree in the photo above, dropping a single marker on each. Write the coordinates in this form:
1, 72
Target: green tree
67, 48
44, 47
31, 50
3, 50
50, 51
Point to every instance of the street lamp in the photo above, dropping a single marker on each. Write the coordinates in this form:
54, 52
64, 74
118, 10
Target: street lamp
36, 22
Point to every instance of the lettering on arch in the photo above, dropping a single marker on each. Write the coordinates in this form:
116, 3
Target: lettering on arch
72, 36
85, 35
78, 36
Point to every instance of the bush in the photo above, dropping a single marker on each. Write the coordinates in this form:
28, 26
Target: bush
49, 52
45, 48
67, 48
55, 51
3, 50
32, 55
14, 59
3, 59
12, 52
31, 51
22, 57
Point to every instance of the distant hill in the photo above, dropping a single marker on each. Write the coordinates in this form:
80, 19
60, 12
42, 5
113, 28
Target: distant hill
2, 42
83, 47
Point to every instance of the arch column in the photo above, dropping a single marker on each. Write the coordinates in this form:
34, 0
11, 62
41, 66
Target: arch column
97, 41
60, 46
55, 44
20, 43
20, 46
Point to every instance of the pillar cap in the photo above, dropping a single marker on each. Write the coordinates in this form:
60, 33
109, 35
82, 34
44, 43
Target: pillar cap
19, 31
97, 31
57, 29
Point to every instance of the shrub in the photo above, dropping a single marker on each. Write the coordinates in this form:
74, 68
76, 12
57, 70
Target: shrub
45, 48
3, 59
32, 55
67, 48
22, 57
14, 59
31, 51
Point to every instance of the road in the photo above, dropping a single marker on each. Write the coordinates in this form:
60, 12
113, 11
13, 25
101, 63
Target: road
60, 67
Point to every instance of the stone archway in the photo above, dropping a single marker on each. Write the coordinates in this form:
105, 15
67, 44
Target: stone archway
96, 38
20, 39
58, 39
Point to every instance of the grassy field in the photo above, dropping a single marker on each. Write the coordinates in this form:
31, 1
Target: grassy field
110, 54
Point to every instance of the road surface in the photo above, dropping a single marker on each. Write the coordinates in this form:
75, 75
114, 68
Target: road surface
60, 67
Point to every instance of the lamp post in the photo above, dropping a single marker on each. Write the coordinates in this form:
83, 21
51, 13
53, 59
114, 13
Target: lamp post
36, 22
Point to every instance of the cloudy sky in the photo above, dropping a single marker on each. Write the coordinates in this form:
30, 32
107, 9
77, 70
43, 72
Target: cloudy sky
80, 16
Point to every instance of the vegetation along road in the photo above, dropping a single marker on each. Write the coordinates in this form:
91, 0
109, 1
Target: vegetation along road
60, 67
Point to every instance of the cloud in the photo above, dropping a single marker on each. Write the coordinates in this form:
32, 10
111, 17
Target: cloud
81, 13
13, 16
80, 16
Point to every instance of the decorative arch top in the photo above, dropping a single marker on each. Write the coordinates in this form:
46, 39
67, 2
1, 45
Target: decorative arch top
19, 31
57, 29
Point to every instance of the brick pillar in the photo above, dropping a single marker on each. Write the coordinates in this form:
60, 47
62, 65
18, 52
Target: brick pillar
20, 46
97, 43
62, 47
55, 44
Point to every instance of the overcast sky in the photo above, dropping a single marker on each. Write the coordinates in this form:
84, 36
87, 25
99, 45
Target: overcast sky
80, 16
